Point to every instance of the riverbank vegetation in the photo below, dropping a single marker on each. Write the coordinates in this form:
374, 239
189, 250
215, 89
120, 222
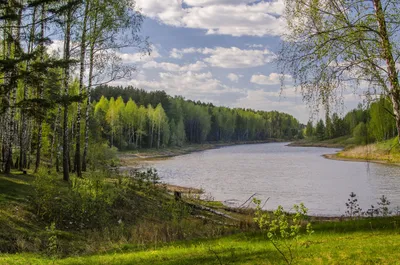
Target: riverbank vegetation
364, 133
119, 220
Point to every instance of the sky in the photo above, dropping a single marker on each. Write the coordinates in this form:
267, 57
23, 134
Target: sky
218, 51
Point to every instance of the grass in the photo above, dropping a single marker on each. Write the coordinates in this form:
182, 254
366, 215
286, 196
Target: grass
386, 152
340, 142
335, 241
367, 247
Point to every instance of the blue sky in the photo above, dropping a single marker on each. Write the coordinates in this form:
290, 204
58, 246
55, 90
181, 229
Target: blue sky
219, 51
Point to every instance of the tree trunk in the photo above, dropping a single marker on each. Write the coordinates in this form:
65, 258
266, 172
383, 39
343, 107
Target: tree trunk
41, 88
55, 132
89, 90
23, 141
81, 76
13, 89
67, 41
390, 63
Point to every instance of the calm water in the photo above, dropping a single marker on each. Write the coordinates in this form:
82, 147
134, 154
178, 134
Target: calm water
286, 175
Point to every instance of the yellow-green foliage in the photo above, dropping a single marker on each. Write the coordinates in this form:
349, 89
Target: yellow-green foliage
388, 151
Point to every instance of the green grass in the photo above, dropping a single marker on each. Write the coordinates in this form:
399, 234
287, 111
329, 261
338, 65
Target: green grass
386, 151
367, 247
340, 142
335, 241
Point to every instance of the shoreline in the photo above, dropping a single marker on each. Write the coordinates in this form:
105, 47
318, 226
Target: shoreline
153, 154
316, 144
364, 160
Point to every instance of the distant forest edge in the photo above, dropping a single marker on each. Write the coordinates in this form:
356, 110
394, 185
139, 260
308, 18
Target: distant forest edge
132, 118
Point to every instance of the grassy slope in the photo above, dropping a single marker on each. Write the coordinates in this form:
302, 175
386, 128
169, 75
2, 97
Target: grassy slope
367, 241
382, 152
340, 142
368, 247
387, 151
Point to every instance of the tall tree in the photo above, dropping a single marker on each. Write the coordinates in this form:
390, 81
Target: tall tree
334, 44
82, 58
41, 84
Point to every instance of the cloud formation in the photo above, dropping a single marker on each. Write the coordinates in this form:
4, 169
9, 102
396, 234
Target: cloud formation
233, 77
271, 79
230, 58
224, 17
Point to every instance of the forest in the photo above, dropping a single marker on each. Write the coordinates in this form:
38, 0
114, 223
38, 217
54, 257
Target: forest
56, 105
365, 125
132, 118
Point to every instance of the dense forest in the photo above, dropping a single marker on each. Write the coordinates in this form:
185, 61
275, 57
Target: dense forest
133, 118
56, 108
52, 53
374, 123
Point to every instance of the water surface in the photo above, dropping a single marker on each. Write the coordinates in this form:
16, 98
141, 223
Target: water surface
286, 175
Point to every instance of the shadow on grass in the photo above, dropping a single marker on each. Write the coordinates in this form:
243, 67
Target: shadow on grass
15, 188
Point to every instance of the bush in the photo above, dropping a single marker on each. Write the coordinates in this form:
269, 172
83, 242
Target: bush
101, 156
81, 204
282, 228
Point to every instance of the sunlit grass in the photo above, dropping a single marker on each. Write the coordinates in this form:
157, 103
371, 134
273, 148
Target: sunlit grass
388, 151
369, 247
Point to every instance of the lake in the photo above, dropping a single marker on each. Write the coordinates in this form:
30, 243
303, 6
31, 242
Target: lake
286, 175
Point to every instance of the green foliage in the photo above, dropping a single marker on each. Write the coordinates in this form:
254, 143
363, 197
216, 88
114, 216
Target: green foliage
320, 130
360, 133
52, 241
282, 228
83, 204
101, 156
142, 121
309, 130
382, 124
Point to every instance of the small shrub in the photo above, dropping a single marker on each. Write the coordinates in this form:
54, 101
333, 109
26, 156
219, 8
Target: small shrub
353, 208
283, 229
52, 242
384, 206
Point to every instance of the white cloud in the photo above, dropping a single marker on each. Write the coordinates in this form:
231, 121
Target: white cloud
228, 17
139, 57
261, 100
229, 57
56, 48
233, 77
271, 79
169, 12
195, 86
259, 19
237, 58
171, 67
178, 54
216, 2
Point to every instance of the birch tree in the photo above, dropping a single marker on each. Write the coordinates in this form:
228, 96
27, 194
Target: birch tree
336, 45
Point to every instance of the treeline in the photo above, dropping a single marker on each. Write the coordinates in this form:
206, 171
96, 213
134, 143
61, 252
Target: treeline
49, 113
45, 93
134, 118
364, 125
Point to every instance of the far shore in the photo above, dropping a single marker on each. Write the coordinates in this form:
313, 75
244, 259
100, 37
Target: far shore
350, 159
131, 158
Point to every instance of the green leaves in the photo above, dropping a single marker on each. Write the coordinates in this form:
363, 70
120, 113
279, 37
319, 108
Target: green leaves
282, 228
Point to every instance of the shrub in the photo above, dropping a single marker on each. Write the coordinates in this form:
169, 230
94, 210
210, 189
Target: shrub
81, 204
282, 228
